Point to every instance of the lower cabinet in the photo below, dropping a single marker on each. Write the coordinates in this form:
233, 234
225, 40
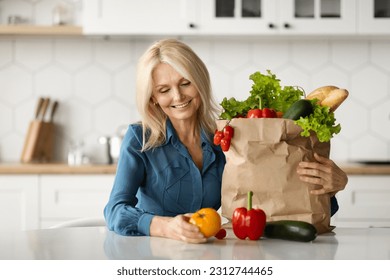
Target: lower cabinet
68, 197
41, 201
19, 202
365, 202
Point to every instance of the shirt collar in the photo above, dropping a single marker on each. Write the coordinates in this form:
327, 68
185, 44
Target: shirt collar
170, 133
172, 136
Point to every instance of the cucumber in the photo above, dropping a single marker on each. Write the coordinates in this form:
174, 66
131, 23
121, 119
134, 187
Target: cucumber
300, 108
290, 230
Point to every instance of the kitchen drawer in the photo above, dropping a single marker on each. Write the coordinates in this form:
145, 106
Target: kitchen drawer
65, 197
365, 202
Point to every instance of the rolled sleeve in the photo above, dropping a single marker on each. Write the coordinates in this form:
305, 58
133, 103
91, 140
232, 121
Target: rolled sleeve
121, 213
144, 223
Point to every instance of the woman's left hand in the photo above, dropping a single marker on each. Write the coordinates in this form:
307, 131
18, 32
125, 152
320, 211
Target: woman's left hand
324, 173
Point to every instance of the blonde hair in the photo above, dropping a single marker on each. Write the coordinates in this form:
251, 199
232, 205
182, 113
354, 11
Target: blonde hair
186, 62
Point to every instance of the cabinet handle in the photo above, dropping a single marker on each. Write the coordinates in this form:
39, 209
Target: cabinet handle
271, 25
192, 25
287, 25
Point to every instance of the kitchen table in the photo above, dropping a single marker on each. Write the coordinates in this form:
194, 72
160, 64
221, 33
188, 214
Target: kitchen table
98, 243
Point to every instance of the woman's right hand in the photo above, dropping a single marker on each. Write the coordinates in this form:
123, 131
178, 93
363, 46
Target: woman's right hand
177, 228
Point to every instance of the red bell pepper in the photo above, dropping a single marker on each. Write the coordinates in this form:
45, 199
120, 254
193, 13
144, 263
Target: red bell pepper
261, 113
248, 222
268, 113
254, 113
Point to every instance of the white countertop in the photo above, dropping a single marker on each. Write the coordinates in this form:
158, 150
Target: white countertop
97, 243
64, 168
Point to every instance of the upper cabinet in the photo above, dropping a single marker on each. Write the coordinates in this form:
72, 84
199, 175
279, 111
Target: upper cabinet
236, 17
277, 17
240, 17
139, 17
317, 16
374, 17
195, 17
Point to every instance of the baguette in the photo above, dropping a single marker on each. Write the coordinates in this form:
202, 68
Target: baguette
321, 93
335, 98
330, 96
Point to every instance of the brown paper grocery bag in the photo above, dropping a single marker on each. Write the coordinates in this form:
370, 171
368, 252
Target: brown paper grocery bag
263, 158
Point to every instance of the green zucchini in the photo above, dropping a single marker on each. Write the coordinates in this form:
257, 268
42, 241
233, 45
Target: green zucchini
290, 230
298, 109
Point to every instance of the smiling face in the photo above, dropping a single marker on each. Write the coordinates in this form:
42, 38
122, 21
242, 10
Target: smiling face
178, 97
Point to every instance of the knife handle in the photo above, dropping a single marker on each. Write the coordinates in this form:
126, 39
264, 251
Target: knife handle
45, 105
39, 107
53, 110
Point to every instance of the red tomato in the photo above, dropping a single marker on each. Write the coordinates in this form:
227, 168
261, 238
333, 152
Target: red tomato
225, 144
218, 137
268, 113
228, 131
221, 234
254, 113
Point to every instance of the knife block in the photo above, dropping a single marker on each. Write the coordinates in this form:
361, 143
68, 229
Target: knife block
39, 142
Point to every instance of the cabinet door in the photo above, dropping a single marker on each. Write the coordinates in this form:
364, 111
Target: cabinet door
138, 17
237, 17
365, 202
19, 202
374, 17
67, 197
317, 16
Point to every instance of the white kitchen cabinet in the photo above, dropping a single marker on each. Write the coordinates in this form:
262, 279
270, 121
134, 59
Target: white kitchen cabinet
365, 202
44, 200
257, 17
317, 16
68, 197
374, 17
19, 208
139, 17
236, 17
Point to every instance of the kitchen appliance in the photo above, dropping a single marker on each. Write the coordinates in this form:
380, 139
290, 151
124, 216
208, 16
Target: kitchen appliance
39, 141
113, 144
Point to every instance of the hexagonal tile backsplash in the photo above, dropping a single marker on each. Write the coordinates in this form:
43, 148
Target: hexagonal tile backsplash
94, 81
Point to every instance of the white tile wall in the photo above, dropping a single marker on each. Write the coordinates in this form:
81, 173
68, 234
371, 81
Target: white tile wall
93, 79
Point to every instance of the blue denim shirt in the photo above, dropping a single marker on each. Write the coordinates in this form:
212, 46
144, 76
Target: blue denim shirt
163, 181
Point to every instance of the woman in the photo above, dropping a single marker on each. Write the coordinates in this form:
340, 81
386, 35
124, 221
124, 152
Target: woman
168, 166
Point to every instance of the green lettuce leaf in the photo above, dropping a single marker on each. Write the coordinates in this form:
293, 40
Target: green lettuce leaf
266, 92
322, 121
